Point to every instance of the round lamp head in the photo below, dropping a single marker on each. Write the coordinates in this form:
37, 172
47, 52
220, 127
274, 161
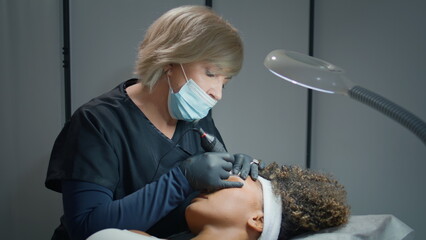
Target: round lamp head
308, 71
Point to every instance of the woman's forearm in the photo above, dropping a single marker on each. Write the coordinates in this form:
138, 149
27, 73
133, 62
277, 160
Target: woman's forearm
89, 207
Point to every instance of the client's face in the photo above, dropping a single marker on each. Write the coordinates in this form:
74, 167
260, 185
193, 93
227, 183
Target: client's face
228, 207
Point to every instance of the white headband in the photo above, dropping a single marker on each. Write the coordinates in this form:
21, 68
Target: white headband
272, 209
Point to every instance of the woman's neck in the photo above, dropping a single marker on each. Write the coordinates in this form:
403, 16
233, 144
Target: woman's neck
211, 233
153, 103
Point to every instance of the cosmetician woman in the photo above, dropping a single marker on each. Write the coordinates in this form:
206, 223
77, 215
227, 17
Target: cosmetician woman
129, 158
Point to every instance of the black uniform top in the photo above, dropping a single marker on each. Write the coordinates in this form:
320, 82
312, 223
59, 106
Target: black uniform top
110, 142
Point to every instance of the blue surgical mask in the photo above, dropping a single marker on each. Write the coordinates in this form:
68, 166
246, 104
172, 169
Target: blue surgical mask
191, 102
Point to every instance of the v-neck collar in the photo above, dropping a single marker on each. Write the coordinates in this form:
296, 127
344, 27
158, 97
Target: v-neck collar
181, 133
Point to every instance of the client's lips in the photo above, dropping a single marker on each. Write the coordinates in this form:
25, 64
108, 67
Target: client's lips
202, 196
199, 197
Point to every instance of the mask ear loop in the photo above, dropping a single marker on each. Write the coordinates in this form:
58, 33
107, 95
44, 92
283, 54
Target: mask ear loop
186, 78
168, 80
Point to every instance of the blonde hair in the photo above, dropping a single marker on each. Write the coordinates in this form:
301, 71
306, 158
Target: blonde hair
188, 34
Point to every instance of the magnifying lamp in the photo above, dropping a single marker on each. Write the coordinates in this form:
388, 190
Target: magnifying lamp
322, 76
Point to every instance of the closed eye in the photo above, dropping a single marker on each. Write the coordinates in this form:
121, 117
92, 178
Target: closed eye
210, 74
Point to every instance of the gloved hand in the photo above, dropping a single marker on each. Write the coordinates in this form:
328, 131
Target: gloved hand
245, 165
209, 171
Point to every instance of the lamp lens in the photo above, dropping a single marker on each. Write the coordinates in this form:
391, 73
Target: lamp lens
314, 62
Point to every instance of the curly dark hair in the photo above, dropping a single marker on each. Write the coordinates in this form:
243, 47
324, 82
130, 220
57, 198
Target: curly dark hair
311, 200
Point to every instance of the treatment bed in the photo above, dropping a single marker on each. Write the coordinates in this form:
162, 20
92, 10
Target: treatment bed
359, 227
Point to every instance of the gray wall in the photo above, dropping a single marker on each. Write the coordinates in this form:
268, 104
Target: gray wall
379, 43
260, 114
382, 47
31, 115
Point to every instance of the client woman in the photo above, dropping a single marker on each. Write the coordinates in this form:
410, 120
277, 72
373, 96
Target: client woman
293, 201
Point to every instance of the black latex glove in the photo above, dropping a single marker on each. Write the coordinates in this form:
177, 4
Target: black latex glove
244, 166
209, 171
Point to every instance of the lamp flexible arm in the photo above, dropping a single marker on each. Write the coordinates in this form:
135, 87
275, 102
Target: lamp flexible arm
399, 114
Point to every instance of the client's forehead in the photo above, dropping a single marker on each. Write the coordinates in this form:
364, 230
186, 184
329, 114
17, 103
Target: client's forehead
259, 186
255, 187
248, 181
